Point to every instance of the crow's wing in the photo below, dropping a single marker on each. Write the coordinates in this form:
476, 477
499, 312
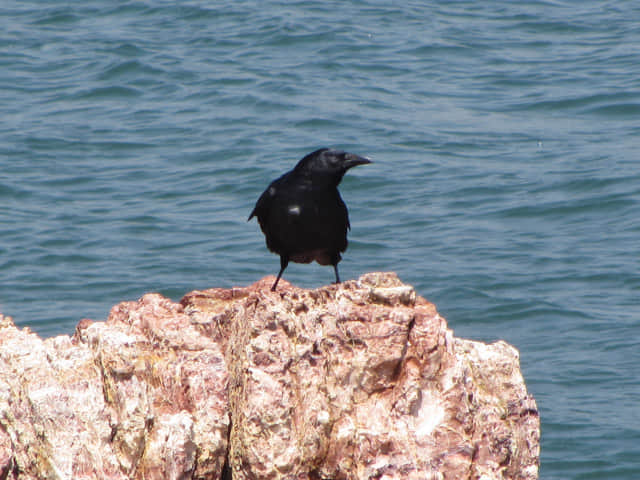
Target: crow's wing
261, 209
297, 218
303, 220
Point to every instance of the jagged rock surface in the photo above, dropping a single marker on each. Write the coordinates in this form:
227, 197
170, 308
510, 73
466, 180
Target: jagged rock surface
360, 380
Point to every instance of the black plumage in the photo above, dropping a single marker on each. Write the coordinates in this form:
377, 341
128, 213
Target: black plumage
302, 214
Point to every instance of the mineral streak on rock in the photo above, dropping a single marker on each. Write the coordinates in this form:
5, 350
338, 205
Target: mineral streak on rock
359, 380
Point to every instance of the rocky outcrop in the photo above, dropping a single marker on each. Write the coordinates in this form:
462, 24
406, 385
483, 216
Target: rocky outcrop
361, 380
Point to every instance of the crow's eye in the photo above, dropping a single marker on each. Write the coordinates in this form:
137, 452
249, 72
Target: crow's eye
334, 161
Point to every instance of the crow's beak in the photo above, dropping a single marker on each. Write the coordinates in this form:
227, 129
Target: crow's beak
352, 160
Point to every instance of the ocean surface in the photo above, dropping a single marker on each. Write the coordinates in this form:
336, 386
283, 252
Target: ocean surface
135, 138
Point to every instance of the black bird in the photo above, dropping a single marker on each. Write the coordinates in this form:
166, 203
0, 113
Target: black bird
302, 215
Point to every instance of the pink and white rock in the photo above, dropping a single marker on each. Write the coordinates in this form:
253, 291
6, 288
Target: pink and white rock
360, 380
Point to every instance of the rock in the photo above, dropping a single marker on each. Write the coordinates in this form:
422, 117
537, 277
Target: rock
353, 381
143, 395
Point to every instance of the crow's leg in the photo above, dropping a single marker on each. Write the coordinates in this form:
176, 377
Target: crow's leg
335, 259
284, 261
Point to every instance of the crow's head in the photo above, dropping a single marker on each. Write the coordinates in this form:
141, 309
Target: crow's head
328, 165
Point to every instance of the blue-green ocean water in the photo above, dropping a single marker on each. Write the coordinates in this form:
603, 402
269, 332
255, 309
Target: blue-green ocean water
136, 136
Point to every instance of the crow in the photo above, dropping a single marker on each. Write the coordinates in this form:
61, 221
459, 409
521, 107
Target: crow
301, 213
